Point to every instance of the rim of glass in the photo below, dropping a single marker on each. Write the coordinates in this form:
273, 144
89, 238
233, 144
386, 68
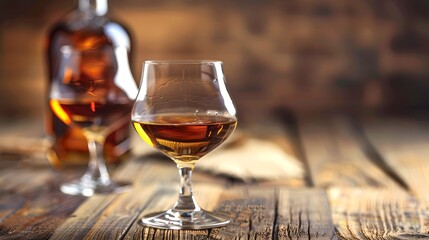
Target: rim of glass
181, 61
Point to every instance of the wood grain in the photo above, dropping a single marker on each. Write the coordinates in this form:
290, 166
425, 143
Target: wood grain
361, 201
404, 146
256, 213
366, 202
155, 185
335, 157
31, 206
163, 199
253, 210
252, 213
373, 213
110, 216
304, 214
83, 219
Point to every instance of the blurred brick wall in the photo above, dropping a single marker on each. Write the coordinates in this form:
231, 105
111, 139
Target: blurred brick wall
302, 55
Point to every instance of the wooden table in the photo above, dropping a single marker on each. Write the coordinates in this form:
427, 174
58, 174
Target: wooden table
364, 179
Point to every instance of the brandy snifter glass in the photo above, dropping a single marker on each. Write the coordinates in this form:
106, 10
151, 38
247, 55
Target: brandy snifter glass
92, 93
183, 109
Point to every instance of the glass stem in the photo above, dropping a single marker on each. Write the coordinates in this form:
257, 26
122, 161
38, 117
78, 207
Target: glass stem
97, 170
186, 203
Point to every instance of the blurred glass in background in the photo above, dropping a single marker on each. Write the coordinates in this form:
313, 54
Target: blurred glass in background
299, 56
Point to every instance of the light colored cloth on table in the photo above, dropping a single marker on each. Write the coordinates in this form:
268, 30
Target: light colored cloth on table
20, 140
253, 160
242, 156
245, 158
21, 148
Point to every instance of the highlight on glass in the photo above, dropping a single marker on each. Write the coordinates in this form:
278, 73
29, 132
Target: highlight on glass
91, 93
183, 109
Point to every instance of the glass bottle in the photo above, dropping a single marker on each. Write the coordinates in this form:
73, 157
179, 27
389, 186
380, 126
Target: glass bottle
87, 27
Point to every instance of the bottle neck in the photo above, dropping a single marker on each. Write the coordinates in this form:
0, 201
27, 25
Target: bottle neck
97, 7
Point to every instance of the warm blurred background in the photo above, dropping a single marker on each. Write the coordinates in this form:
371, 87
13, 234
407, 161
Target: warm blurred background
296, 55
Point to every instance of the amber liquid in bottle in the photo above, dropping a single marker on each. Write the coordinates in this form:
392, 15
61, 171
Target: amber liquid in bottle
104, 116
84, 29
185, 138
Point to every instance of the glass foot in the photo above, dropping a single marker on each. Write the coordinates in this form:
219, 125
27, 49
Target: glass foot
89, 188
174, 220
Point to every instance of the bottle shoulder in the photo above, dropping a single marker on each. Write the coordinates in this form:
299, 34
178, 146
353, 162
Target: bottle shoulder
77, 21
80, 27
118, 34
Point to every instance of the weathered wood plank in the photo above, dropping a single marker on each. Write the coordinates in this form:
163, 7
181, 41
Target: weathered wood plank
370, 213
366, 202
83, 219
10, 202
252, 210
162, 199
335, 157
304, 214
110, 216
31, 206
403, 145
253, 213
24, 179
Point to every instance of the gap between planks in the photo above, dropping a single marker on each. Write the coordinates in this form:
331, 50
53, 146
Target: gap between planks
404, 145
366, 202
374, 213
337, 159
31, 205
256, 212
